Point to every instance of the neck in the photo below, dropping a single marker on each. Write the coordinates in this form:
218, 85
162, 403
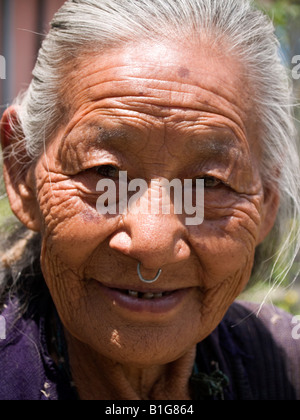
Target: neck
99, 378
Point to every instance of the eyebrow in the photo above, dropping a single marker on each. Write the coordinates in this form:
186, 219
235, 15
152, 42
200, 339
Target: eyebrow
214, 146
105, 135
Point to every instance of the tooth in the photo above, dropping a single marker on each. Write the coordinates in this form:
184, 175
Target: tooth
157, 295
133, 293
148, 295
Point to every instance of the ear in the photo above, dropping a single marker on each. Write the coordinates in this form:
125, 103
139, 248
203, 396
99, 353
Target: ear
17, 171
269, 212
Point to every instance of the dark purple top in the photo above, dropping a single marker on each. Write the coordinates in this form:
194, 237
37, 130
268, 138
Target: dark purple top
258, 355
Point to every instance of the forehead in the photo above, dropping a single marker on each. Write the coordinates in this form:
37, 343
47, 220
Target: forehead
144, 64
162, 80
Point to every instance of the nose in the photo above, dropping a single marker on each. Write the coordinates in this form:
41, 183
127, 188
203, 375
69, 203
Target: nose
153, 240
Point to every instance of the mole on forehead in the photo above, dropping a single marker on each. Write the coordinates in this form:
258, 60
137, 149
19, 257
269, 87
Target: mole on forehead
183, 72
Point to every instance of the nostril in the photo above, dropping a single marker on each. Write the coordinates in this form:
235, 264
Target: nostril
121, 241
182, 250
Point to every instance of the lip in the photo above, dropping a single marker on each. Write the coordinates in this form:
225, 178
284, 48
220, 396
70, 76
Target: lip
160, 306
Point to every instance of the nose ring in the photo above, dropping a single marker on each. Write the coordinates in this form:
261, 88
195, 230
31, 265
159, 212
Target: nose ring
145, 280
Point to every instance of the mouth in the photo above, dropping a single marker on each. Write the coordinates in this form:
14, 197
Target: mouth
144, 301
145, 295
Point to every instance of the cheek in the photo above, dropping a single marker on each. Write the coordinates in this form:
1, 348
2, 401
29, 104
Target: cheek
225, 243
222, 256
73, 229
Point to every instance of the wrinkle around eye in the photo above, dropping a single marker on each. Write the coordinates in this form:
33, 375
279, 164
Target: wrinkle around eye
89, 178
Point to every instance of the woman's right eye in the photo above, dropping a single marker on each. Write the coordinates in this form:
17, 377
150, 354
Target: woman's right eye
107, 171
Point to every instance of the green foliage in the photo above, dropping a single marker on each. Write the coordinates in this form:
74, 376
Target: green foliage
5, 211
281, 11
286, 298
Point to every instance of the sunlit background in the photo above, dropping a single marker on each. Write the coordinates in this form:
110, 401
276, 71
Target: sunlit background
23, 24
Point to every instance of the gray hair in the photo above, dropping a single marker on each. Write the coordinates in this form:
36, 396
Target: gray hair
83, 26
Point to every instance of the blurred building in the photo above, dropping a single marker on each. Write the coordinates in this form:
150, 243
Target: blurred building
22, 25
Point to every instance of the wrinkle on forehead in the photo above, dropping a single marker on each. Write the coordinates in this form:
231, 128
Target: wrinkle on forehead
145, 84
197, 65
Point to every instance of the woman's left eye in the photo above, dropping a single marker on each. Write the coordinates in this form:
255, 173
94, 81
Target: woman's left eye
108, 171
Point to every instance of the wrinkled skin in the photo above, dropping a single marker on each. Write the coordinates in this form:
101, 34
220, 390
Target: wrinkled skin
154, 111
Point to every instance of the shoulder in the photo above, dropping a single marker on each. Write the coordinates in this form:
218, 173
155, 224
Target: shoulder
27, 371
20, 357
265, 323
269, 338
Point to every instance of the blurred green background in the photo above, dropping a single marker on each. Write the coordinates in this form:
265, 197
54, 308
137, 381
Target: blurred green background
286, 16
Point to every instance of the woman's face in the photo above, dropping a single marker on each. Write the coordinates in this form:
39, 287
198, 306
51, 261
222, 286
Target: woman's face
157, 112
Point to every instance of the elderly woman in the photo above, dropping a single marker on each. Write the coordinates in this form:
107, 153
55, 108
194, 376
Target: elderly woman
140, 304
